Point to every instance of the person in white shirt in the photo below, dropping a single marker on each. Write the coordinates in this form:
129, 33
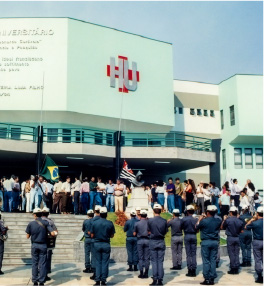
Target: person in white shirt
48, 193
243, 200
207, 196
23, 196
8, 195
66, 199
33, 194
39, 190
257, 200
200, 197
161, 190
99, 198
235, 192
76, 187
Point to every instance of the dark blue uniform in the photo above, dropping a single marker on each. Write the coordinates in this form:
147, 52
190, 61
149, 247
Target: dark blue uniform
245, 238
2, 231
190, 241
141, 229
209, 228
233, 227
158, 228
131, 241
102, 230
176, 241
257, 230
93, 261
37, 229
87, 224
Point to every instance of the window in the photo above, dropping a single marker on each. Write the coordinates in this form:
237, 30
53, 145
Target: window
224, 158
180, 110
205, 112
3, 132
222, 118
98, 138
248, 158
66, 135
15, 133
259, 158
52, 135
238, 158
192, 111
79, 136
232, 115
109, 139
199, 112
139, 142
212, 114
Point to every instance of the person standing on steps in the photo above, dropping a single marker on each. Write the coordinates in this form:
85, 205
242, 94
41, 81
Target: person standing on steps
86, 228
190, 240
256, 225
3, 232
176, 239
102, 230
51, 240
131, 242
209, 227
157, 228
37, 230
233, 227
142, 234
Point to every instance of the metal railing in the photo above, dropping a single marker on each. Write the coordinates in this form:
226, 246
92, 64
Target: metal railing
104, 137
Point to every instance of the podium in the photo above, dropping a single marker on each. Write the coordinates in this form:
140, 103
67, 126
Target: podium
139, 198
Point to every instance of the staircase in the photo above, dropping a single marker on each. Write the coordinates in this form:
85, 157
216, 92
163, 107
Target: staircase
18, 247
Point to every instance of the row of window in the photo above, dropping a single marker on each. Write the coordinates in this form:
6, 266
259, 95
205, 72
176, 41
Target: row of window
193, 111
238, 161
232, 116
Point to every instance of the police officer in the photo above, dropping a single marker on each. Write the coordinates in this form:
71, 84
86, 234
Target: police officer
95, 218
233, 227
209, 226
245, 238
176, 239
141, 232
37, 230
45, 214
256, 225
157, 228
190, 240
131, 242
102, 230
3, 232
86, 228
138, 209
218, 251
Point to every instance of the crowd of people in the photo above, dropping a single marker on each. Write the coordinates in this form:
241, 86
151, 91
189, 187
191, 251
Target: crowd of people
77, 197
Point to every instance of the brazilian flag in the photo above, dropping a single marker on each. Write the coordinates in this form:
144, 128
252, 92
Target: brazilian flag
50, 170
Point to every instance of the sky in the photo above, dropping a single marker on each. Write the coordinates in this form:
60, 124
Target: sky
211, 40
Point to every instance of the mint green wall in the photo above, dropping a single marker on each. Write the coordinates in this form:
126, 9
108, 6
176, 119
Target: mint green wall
89, 50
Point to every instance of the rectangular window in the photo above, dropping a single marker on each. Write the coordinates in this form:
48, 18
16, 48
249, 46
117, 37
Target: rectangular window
212, 114
180, 110
139, 142
238, 158
109, 139
259, 158
79, 136
205, 112
66, 135
15, 133
248, 158
3, 132
52, 135
224, 158
232, 115
192, 111
199, 112
222, 118
98, 138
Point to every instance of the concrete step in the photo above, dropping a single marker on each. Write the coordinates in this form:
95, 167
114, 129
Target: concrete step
68, 232
62, 256
12, 224
27, 249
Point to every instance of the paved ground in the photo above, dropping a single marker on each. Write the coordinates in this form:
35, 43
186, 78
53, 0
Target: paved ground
71, 274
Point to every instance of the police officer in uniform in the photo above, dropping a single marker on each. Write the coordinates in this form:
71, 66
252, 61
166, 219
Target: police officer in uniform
157, 228
245, 238
86, 228
95, 218
218, 251
142, 234
176, 239
45, 214
102, 230
209, 227
131, 242
233, 227
37, 230
3, 232
256, 225
190, 240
